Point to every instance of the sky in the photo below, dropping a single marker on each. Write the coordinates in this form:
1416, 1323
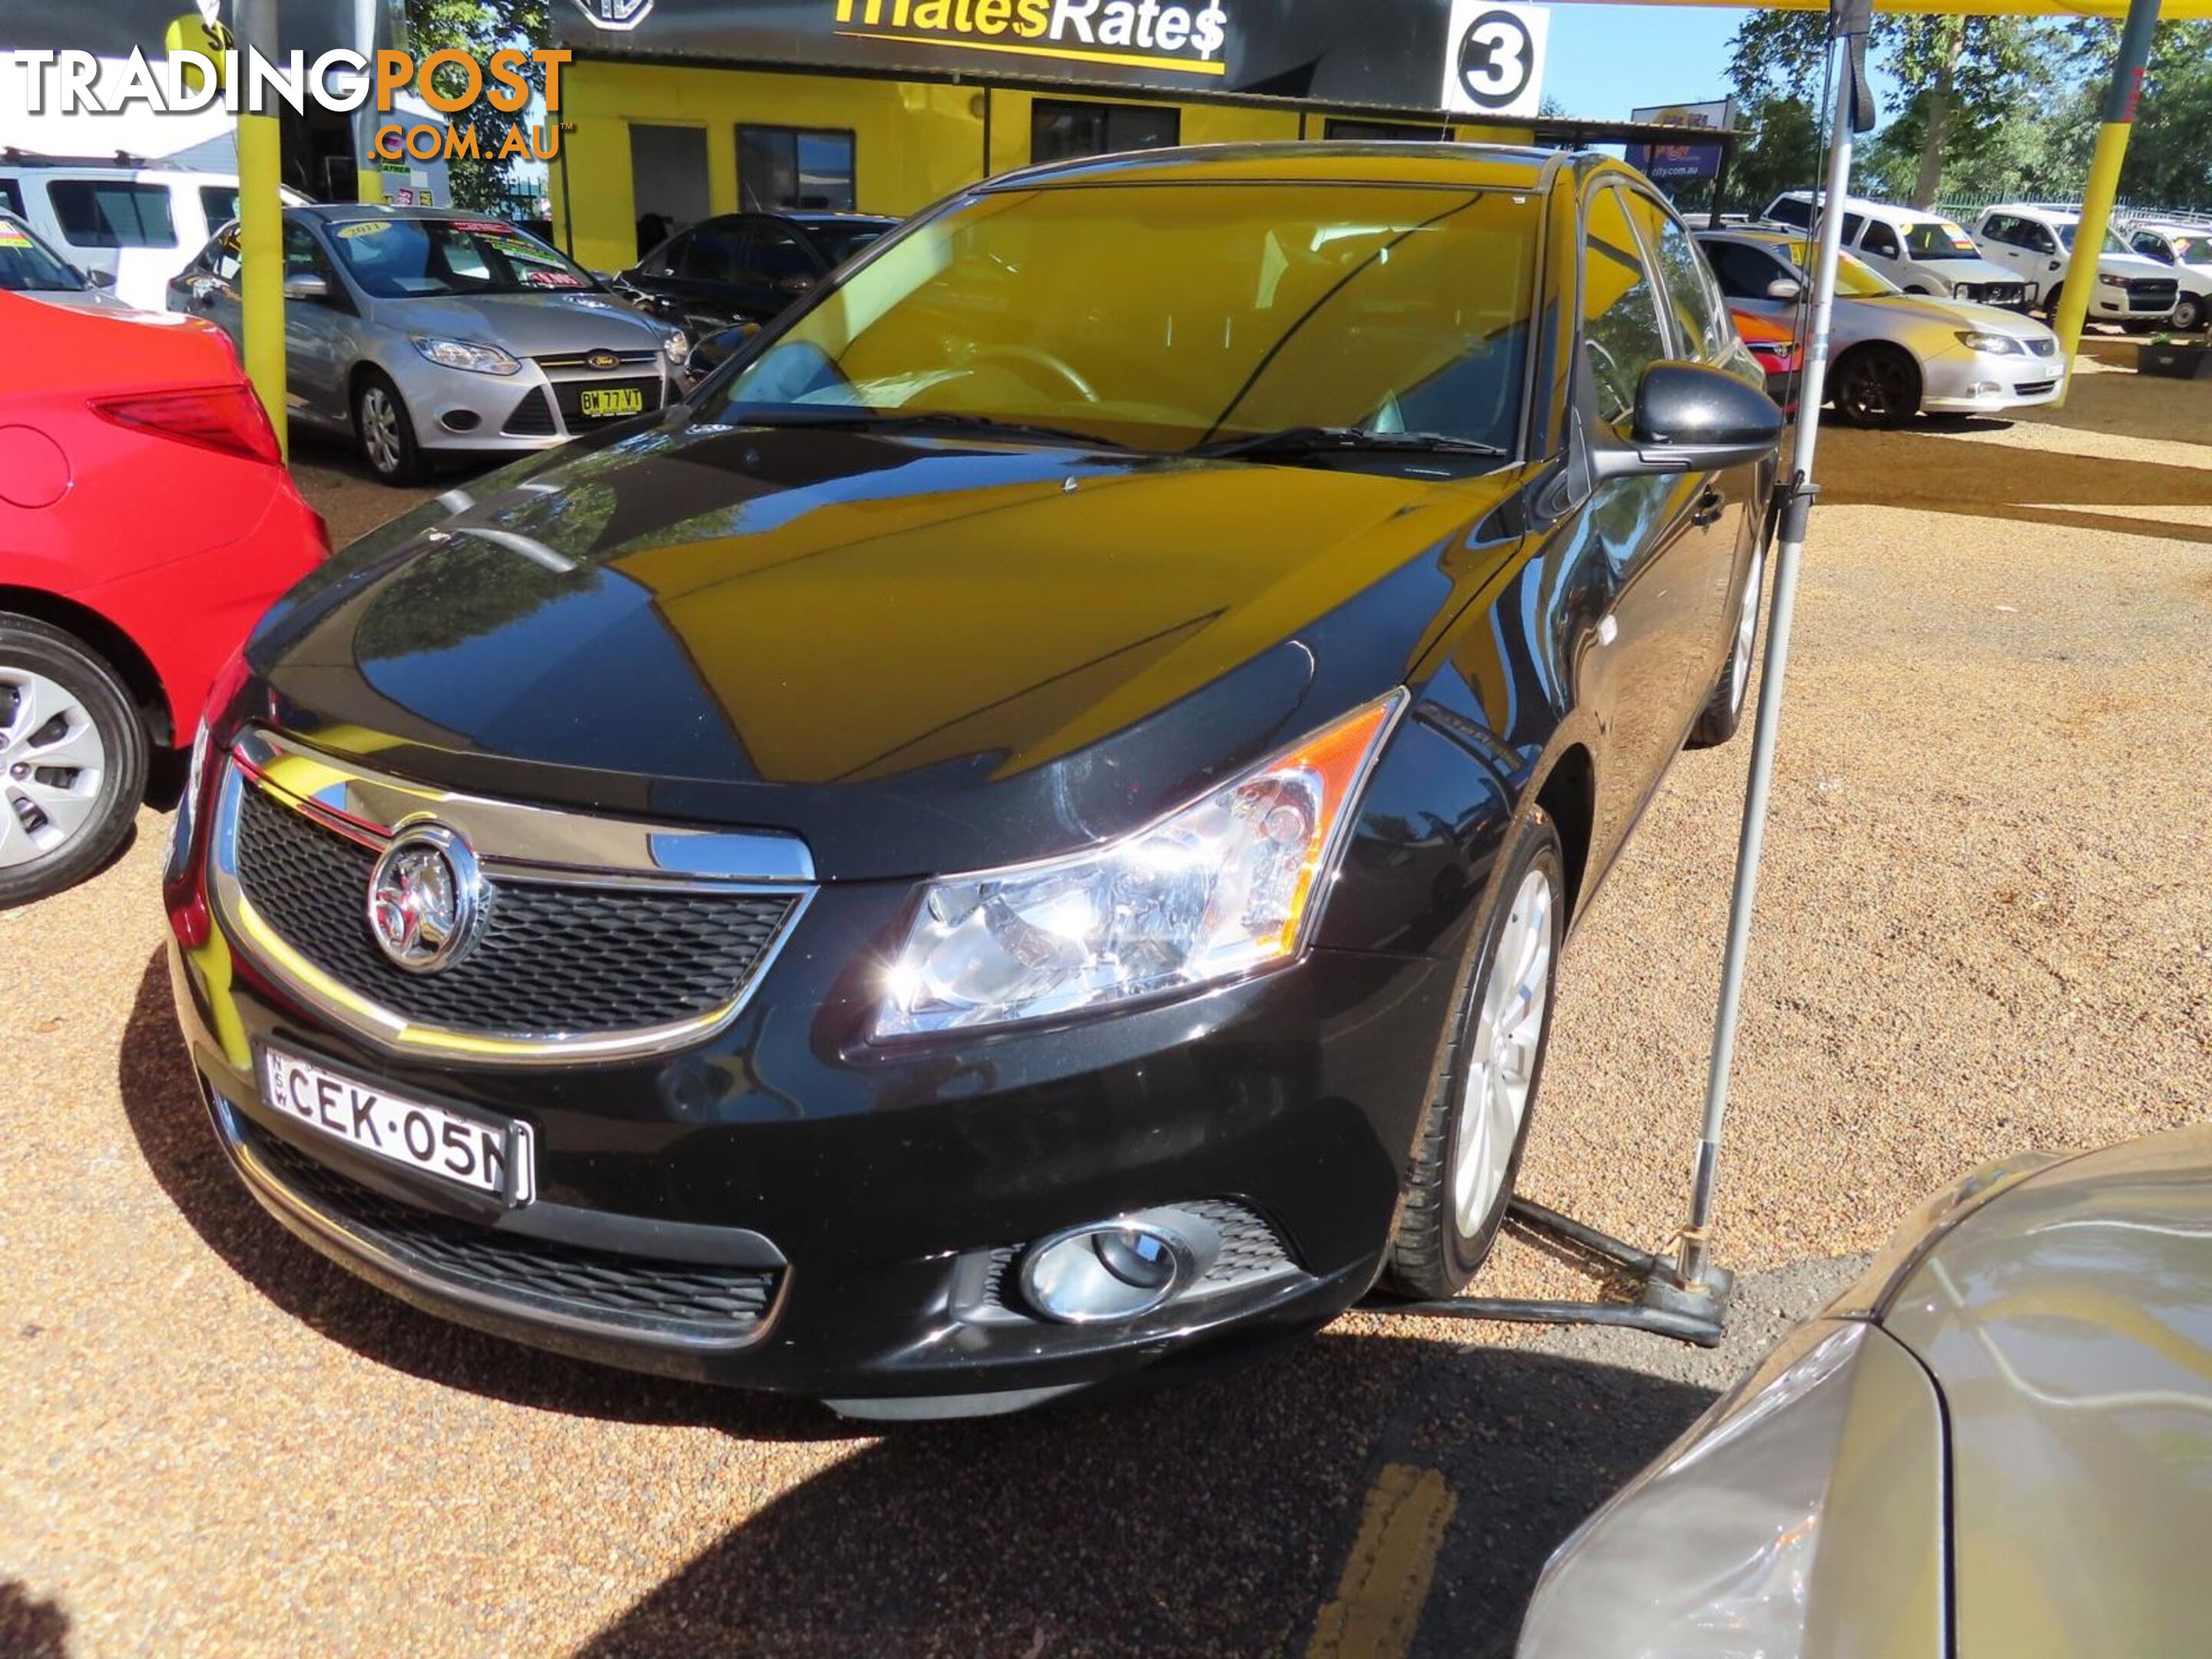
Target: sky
1603, 61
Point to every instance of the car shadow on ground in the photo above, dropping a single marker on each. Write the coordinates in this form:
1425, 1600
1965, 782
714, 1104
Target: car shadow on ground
1215, 1516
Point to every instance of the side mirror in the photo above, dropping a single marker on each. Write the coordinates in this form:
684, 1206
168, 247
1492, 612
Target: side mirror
1785, 288
101, 278
794, 284
717, 349
1690, 418
307, 285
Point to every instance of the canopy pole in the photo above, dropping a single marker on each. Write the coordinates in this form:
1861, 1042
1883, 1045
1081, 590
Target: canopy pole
2104, 185
1852, 22
261, 224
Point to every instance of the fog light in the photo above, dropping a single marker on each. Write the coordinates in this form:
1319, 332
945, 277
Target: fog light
1987, 388
461, 420
1108, 1270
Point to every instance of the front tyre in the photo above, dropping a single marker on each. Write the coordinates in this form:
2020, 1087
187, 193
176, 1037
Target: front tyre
1460, 1175
72, 761
1877, 385
1723, 710
385, 431
2189, 312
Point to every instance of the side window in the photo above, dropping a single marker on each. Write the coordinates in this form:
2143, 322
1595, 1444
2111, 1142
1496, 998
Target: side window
219, 202
1701, 323
777, 254
1853, 224
113, 213
710, 254
301, 257
1744, 272
2038, 237
668, 260
1789, 211
11, 196
1622, 335
221, 257
2152, 245
1881, 242
2002, 228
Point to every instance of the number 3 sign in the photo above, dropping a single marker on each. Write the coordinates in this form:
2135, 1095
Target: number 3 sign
1494, 59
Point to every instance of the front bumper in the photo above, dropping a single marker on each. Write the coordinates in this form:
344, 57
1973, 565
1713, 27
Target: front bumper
1963, 382
539, 408
864, 1205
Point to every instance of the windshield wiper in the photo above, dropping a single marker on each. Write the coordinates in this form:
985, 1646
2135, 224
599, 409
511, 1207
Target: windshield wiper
1319, 440
867, 420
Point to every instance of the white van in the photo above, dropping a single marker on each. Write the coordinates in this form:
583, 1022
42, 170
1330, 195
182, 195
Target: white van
1918, 249
138, 223
2037, 241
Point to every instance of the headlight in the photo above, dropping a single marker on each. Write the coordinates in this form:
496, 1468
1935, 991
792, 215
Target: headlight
678, 346
2105, 279
1760, 1529
1219, 887
1998, 345
465, 355
1958, 290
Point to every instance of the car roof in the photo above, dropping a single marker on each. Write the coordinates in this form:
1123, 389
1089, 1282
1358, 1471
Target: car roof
348, 212
1292, 161
829, 216
2034, 211
1867, 207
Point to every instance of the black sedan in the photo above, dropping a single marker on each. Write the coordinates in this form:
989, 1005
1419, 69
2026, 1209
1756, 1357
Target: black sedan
1024, 832
745, 267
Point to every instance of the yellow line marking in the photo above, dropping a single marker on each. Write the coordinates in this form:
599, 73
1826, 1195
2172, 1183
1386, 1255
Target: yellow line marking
1377, 1607
1130, 60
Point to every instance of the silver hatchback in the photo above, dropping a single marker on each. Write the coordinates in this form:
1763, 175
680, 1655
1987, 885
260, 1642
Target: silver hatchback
421, 333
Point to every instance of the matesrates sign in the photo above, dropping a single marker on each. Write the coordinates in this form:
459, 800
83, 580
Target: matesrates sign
1397, 55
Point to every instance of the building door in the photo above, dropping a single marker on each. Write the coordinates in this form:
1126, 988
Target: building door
668, 181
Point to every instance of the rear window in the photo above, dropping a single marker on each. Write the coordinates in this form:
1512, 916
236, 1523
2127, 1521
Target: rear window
1792, 212
113, 213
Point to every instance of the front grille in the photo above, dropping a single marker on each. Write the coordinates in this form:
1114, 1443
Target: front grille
554, 959
583, 360
569, 396
532, 416
1995, 293
1251, 1250
2152, 293
645, 1293
2034, 388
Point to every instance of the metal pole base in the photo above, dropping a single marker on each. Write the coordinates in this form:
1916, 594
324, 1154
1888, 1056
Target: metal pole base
1662, 1303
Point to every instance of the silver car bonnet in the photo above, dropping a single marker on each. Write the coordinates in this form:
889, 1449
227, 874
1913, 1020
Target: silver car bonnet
1911, 308
527, 324
2068, 1324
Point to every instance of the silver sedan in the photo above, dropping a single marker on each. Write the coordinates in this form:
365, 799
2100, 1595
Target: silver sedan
1893, 355
421, 333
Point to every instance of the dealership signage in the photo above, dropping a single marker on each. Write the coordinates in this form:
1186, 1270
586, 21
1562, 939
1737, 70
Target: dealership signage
1676, 163
1465, 56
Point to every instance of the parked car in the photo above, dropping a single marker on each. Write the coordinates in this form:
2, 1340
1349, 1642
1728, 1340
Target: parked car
1005, 842
133, 221
146, 521
1781, 355
1967, 1452
29, 267
424, 334
2037, 242
1921, 252
2185, 248
746, 267
1893, 355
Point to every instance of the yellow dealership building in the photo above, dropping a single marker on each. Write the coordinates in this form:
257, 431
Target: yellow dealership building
675, 110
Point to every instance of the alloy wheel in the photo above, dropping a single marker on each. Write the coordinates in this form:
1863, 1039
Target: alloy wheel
51, 762
379, 429
1746, 629
1504, 1040
1877, 389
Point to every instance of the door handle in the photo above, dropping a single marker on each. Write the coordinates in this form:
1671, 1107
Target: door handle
1711, 505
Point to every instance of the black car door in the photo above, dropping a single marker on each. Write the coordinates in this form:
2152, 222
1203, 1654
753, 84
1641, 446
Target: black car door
691, 279
1636, 536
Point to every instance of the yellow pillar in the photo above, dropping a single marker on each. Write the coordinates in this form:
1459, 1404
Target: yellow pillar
2104, 185
261, 228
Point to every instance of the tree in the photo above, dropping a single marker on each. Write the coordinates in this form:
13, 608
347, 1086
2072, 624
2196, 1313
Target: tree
2169, 161
478, 27
1784, 153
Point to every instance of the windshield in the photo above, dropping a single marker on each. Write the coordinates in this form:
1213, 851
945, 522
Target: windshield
27, 267
2192, 249
1938, 239
2113, 243
839, 243
1165, 316
407, 259
1855, 278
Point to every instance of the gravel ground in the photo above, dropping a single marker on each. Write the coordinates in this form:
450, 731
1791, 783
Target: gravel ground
1983, 927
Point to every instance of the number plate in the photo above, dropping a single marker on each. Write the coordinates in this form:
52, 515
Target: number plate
599, 404
477, 1153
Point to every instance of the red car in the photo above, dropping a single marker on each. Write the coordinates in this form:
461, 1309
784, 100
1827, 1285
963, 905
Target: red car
146, 521
1779, 353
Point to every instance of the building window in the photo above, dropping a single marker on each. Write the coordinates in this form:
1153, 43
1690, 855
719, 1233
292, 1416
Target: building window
113, 213
794, 167
1059, 129
1396, 132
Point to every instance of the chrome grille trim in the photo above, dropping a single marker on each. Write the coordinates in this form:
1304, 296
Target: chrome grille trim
535, 845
